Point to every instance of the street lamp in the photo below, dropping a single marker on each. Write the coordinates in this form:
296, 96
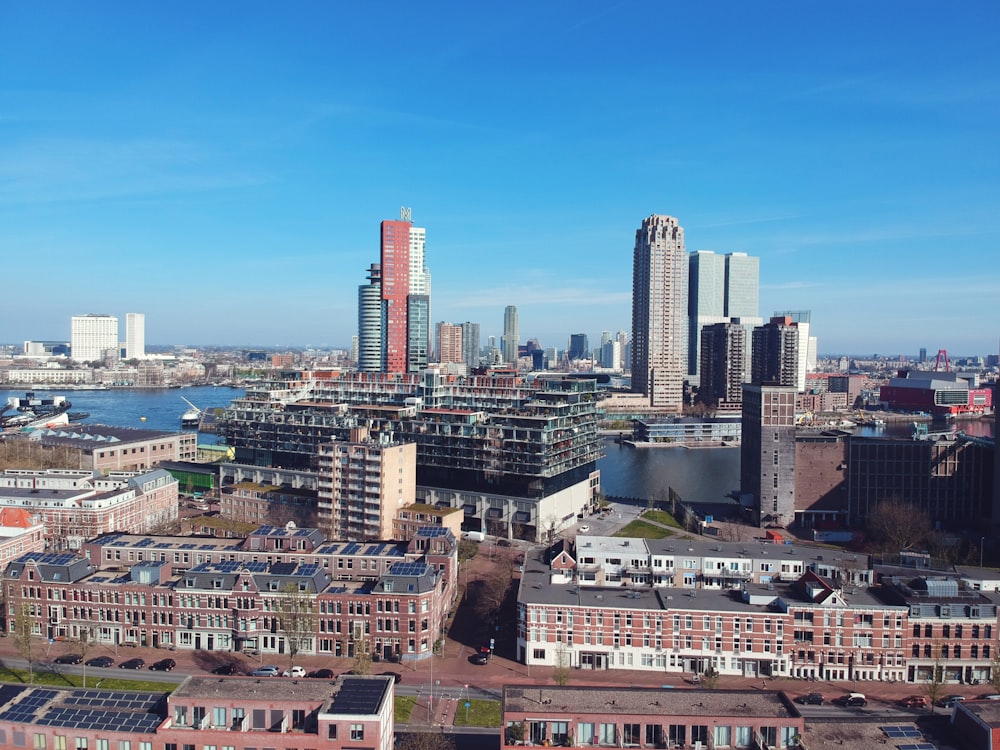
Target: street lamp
982, 539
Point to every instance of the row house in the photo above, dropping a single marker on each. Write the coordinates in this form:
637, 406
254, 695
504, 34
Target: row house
229, 713
77, 505
273, 607
808, 628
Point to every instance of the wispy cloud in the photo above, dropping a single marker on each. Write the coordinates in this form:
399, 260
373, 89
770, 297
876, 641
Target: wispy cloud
64, 170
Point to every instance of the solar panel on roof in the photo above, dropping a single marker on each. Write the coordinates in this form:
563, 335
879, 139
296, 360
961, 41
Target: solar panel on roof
918, 746
901, 732
359, 696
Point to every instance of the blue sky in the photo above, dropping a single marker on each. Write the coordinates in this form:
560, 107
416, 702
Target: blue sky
223, 167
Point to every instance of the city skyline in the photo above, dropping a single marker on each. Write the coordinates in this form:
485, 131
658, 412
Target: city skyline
237, 170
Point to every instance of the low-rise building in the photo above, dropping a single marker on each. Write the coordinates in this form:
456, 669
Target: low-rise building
644, 717
103, 448
228, 712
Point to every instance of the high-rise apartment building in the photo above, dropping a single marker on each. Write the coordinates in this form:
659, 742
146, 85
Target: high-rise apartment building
403, 284
509, 340
364, 480
93, 337
449, 346
807, 344
776, 354
659, 312
767, 453
470, 344
135, 336
370, 323
723, 366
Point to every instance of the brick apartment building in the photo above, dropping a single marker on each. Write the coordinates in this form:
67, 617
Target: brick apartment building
752, 610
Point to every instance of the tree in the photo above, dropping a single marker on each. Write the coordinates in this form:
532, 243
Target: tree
296, 612
710, 679
995, 671
561, 673
425, 741
934, 683
896, 525
362, 653
24, 639
84, 643
515, 732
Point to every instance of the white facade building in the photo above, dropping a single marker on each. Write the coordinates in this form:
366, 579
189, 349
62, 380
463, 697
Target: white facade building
135, 336
93, 336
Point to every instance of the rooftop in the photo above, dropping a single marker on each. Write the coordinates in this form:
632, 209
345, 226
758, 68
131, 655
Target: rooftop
658, 701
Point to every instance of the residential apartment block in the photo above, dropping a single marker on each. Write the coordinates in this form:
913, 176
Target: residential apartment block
510, 450
256, 593
76, 505
758, 610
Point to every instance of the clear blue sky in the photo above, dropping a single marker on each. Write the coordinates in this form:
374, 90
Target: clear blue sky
223, 166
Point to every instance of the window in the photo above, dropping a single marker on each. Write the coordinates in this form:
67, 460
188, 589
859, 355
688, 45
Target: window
357, 732
331, 732
585, 734
39, 742
606, 735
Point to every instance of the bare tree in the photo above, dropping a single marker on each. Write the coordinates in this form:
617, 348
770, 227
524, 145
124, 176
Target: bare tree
425, 741
710, 679
84, 644
362, 653
995, 671
296, 611
561, 673
494, 588
934, 684
24, 639
897, 525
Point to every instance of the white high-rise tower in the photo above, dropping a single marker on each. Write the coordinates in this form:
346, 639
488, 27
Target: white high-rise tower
93, 336
135, 336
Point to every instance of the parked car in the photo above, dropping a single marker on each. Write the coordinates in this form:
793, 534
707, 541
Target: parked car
100, 661
135, 663
480, 659
321, 674
163, 665
810, 699
69, 659
914, 701
269, 670
583, 528
852, 699
990, 697
227, 669
396, 676
294, 672
949, 701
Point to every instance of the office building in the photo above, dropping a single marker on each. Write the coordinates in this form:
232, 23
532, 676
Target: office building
449, 343
767, 453
706, 302
659, 312
470, 344
777, 355
579, 348
135, 336
509, 340
93, 337
723, 365
418, 332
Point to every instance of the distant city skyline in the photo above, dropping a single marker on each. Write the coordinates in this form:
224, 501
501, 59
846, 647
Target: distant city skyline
227, 178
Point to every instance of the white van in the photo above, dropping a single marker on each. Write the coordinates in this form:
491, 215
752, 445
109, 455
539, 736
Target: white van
475, 536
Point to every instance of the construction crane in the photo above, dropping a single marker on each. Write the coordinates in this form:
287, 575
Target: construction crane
937, 365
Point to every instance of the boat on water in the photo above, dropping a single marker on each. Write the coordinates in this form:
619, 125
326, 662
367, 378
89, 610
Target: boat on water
32, 411
191, 418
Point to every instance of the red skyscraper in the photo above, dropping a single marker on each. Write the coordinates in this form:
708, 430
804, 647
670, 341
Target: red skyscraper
395, 289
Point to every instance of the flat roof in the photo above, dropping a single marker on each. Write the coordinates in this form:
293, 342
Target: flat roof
656, 701
270, 689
